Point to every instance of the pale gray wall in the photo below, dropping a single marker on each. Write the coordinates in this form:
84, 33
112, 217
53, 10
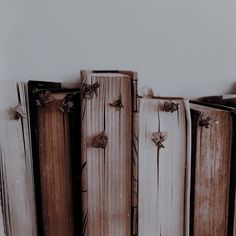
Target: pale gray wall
179, 47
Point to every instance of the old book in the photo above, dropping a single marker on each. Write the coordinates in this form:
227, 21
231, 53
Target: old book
106, 157
234, 227
211, 164
228, 103
17, 197
164, 166
53, 162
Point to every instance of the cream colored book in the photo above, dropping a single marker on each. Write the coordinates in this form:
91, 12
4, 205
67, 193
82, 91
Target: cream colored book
164, 142
17, 208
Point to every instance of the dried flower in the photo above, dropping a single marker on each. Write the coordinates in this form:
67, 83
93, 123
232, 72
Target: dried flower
90, 90
100, 141
158, 138
171, 107
44, 99
67, 104
18, 113
118, 104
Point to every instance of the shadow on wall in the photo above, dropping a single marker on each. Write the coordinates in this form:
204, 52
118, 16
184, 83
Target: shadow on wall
232, 90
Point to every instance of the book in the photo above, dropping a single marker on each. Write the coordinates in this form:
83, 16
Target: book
106, 153
17, 196
164, 148
52, 111
227, 102
212, 130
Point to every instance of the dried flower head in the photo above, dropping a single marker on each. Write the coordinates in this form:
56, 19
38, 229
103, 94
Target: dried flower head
44, 99
118, 104
171, 107
100, 141
158, 138
90, 90
18, 112
67, 104
205, 122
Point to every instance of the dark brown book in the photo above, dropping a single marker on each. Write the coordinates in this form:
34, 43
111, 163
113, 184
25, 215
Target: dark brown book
51, 111
212, 135
55, 168
227, 102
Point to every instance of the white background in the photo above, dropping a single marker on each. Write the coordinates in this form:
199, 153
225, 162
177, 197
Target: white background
179, 47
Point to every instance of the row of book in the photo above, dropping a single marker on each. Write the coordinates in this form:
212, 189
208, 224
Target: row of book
100, 160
